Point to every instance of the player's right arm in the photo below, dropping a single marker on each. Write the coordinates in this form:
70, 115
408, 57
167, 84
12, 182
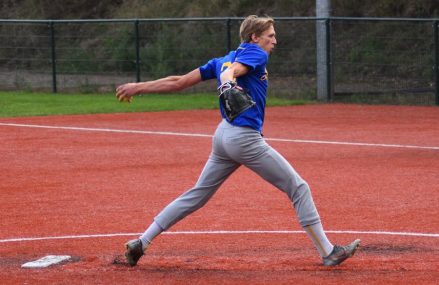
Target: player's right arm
234, 71
163, 85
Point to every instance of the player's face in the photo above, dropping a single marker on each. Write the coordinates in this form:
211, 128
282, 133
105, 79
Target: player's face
267, 40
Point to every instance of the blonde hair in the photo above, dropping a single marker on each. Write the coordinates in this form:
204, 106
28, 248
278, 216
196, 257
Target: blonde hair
254, 25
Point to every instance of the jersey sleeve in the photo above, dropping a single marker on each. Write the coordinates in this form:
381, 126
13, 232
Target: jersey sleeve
252, 56
208, 71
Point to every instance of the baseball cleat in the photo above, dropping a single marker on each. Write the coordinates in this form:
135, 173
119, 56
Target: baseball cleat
341, 253
134, 251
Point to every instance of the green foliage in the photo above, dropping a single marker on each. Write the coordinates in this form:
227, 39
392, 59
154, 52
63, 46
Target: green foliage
158, 52
84, 9
385, 8
383, 49
56, 9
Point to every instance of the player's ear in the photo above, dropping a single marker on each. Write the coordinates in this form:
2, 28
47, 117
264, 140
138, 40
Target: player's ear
254, 38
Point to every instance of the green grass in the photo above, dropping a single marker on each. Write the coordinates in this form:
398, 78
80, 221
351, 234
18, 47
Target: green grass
18, 104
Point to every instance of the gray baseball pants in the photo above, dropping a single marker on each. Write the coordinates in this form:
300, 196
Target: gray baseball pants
232, 147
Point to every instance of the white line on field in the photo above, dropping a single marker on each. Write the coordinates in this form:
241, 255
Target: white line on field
210, 136
243, 232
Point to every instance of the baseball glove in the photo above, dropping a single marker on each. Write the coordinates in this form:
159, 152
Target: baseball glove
234, 99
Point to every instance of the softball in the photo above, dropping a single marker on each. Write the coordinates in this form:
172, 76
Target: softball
126, 99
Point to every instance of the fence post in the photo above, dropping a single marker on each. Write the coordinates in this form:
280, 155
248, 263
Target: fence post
136, 32
436, 61
52, 43
328, 60
323, 50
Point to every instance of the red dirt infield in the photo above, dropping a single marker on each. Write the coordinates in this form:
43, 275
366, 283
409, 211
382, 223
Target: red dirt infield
83, 185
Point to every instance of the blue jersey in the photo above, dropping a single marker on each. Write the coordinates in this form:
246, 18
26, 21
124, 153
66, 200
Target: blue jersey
255, 81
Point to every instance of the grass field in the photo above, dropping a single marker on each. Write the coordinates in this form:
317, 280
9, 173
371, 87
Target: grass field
17, 104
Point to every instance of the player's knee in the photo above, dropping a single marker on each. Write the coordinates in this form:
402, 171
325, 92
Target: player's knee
296, 189
301, 192
304, 205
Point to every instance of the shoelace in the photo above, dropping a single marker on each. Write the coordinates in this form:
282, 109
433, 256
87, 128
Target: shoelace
338, 250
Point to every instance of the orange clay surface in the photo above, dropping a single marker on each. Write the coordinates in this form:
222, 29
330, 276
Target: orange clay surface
88, 188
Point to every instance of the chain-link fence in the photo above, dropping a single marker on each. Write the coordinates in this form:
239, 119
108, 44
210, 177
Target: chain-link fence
384, 60
372, 60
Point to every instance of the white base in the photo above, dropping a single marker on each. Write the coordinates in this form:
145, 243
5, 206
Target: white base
46, 261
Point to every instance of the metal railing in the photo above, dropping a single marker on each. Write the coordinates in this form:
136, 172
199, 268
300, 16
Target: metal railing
387, 59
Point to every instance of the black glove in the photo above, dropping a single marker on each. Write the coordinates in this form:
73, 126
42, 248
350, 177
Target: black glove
234, 99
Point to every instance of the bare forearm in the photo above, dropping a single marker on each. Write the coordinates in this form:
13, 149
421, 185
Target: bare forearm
235, 70
227, 75
167, 84
163, 85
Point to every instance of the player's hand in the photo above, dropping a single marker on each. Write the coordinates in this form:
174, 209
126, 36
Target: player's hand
125, 92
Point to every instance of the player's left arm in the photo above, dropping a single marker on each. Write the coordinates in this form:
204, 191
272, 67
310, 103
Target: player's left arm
168, 84
233, 98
